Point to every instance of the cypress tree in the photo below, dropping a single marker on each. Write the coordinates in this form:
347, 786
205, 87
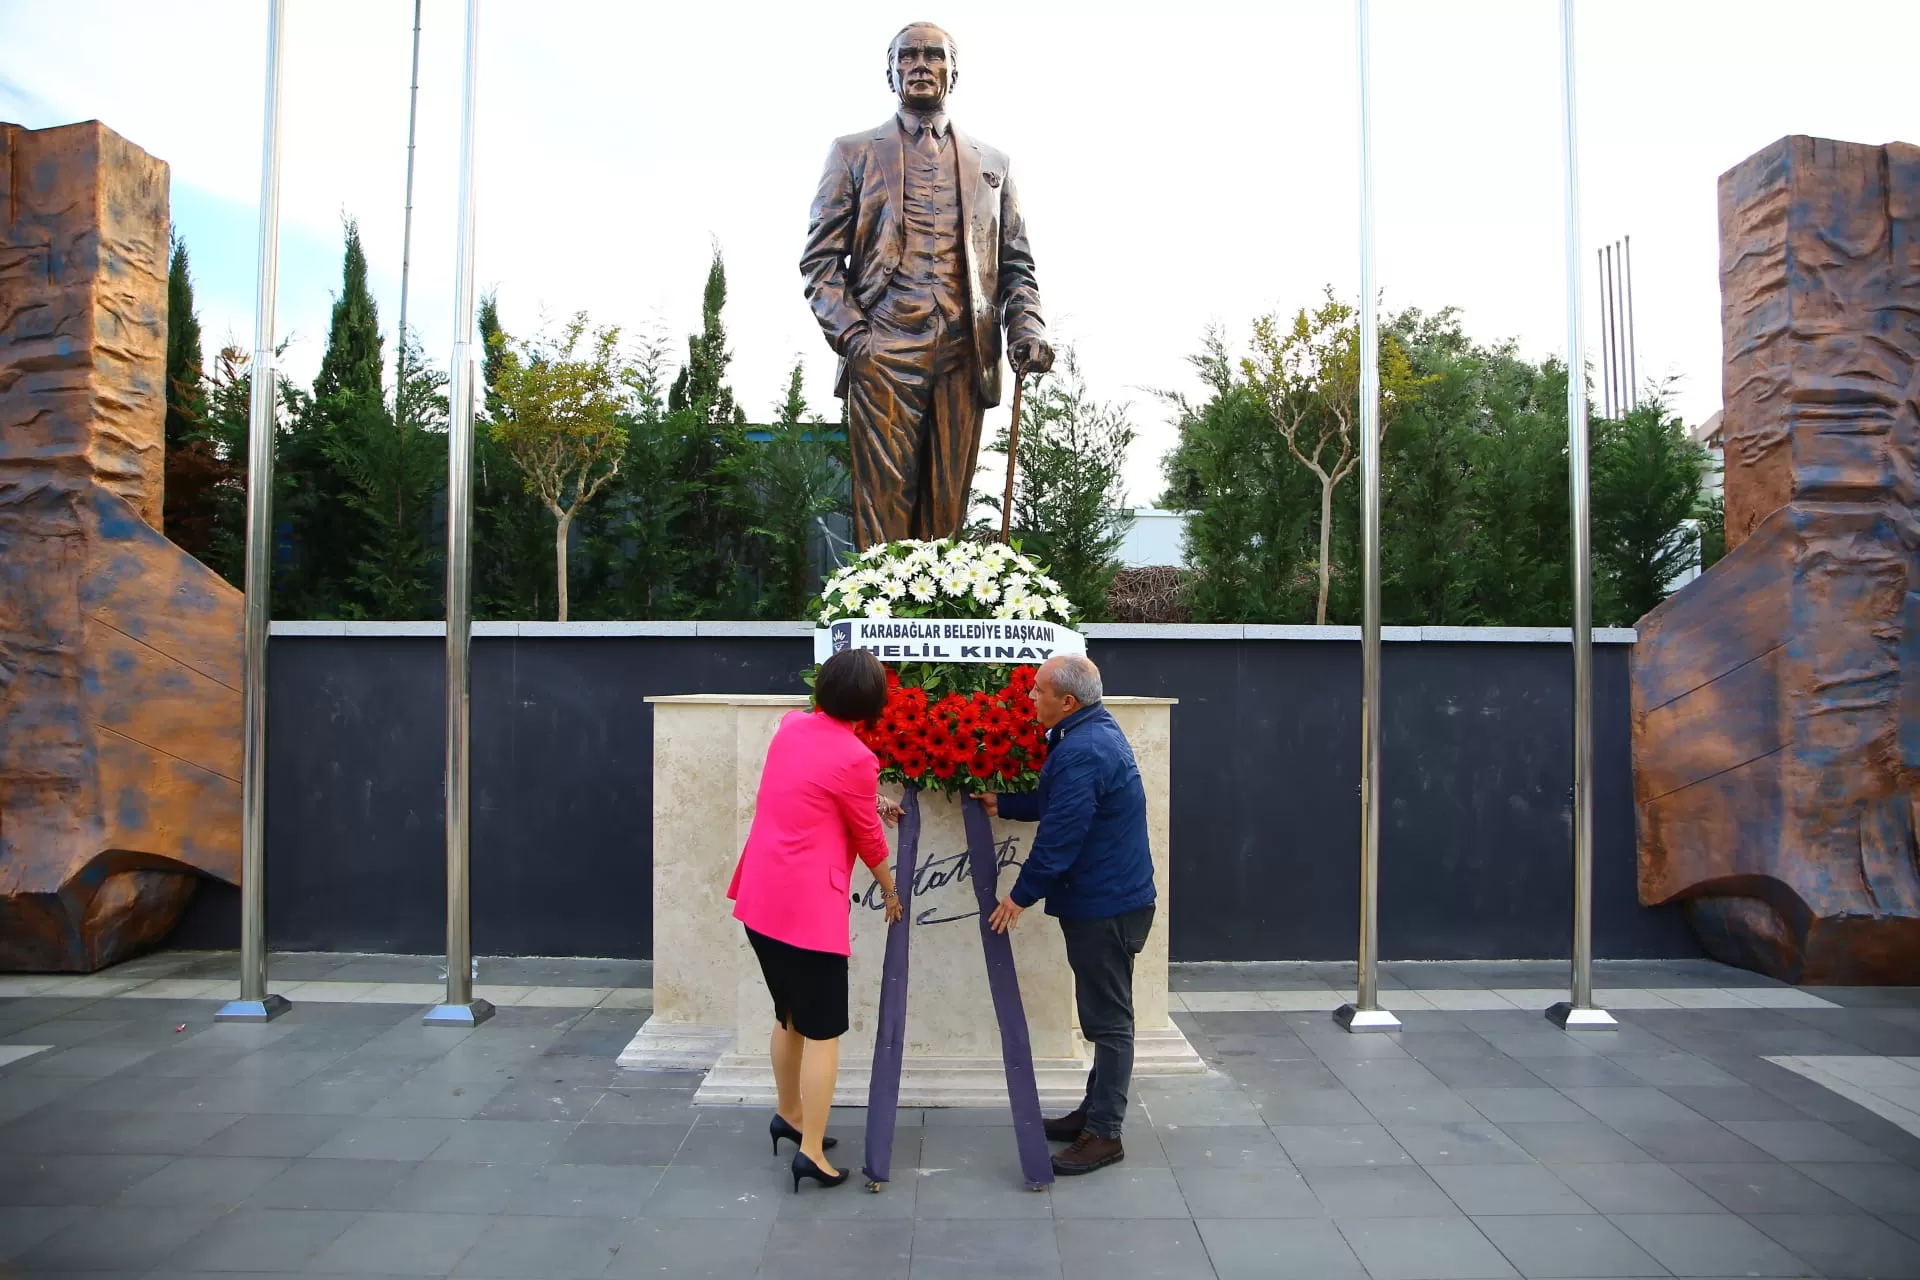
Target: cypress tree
325, 451
195, 472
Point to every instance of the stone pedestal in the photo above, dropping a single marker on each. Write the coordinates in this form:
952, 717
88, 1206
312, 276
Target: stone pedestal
711, 1009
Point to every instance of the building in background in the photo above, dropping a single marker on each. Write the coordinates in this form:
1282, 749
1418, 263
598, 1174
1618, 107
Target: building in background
1154, 538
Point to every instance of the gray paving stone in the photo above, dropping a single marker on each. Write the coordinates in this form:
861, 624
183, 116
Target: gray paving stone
1093, 1249
411, 1244
1571, 1142
1344, 1144
1165, 1103
1634, 1188
636, 1144
1582, 1073
1502, 1105
582, 1190
829, 1250
1434, 1104
438, 1098
1709, 1245
261, 1240
1673, 1069
1482, 1190
1699, 1141
1424, 1249
90, 1061
444, 1186
973, 1194
1006, 1249
1736, 1102
1485, 1073
1300, 1249
1247, 1193
362, 1185
1220, 1147
690, 1191
562, 1248
219, 1182
1806, 1140
1405, 1192
386, 1138
1845, 1245
649, 1106
1568, 1246
23, 1227
272, 1136
1768, 1187
1120, 1192
1874, 1187
1440, 1144
72, 1179
541, 1100
504, 1141
690, 1248
1308, 1106
118, 1237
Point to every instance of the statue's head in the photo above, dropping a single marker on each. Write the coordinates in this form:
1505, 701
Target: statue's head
923, 65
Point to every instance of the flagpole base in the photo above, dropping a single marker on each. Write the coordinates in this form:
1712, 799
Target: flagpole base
265, 1009
471, 1014
1355, 1019
1569, 1018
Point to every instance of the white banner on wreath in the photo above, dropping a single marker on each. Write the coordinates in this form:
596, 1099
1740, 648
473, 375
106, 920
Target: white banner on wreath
1008, 642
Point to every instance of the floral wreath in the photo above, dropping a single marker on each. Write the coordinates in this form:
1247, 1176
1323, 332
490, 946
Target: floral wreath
949, 726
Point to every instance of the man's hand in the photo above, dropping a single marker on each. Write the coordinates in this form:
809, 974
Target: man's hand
1031, 355
990, 802
1005, 916
858, 343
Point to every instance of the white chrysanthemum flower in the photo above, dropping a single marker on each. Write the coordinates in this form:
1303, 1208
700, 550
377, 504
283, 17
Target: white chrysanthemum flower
985, 591
880, 608
923, 588
826, 616
1005, 612
1034, 610
850, 601
1047, 584
961, 553
1061, 605
953, 582
877, 551
893, 588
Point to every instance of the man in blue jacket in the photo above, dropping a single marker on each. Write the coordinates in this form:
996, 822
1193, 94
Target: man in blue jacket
1091, 862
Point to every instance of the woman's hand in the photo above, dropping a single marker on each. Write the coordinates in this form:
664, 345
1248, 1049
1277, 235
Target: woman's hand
894, 909
889, 811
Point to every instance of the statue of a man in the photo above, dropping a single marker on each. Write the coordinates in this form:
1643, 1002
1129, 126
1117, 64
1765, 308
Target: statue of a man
916, 256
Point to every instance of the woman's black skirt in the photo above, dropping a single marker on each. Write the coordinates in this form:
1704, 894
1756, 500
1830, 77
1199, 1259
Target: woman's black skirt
809, 988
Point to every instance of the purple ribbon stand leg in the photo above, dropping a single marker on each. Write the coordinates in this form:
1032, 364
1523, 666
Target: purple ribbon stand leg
890, 1037
1016, 1049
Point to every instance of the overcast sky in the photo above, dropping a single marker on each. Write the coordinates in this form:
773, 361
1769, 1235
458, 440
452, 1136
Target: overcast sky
1181, 164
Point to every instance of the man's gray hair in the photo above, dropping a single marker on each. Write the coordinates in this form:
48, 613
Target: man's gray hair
1075, 675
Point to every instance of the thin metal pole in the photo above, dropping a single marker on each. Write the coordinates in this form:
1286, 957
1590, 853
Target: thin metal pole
406, 235
1580, 1010
461, 1009
1600, 279
1613, 330
1610, 375
1365, 1013
1633, 372
255, 1004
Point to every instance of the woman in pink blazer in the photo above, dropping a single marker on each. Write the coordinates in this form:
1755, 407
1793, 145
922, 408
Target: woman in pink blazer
819, 807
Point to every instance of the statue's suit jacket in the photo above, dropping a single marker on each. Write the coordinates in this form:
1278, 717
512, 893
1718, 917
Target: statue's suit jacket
857, 234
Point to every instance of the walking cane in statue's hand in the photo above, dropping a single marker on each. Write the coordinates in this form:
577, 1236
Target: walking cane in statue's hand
1013, 452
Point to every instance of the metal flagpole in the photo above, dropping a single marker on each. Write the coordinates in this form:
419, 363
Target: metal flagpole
406, 235
1579, 1011
1365, 1014
461, 1009
1633, 372
254, 1004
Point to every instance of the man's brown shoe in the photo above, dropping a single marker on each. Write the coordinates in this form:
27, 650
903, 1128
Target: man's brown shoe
1089, 1151
1066, 1128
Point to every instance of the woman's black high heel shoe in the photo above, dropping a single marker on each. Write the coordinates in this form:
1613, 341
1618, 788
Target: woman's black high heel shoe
778, 1128
804, 1167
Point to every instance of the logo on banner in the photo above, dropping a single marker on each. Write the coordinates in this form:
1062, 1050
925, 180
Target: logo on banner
1005, 641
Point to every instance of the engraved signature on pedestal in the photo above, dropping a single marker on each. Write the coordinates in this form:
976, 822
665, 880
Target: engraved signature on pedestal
938, 873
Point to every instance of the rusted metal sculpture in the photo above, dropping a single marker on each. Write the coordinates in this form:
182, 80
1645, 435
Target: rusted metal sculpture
916, 257
119, 653
1776, 700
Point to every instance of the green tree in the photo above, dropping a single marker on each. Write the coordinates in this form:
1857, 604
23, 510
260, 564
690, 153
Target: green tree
512, 535
1646, 483
1068, 499
559, 423
708, 532
1306, 375
194, 472
327, 448
1712, 514
783, 482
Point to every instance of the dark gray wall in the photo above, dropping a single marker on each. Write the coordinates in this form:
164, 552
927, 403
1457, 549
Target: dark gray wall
1475, 859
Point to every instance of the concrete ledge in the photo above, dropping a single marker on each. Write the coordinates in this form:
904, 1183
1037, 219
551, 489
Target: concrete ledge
1105, 631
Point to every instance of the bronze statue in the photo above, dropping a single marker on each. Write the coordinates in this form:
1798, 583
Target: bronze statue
916, 256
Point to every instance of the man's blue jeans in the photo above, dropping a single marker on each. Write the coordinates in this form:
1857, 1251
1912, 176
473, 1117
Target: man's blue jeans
1100, 953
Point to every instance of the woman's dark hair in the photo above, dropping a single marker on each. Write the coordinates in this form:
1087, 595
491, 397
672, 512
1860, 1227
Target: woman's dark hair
852, 686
